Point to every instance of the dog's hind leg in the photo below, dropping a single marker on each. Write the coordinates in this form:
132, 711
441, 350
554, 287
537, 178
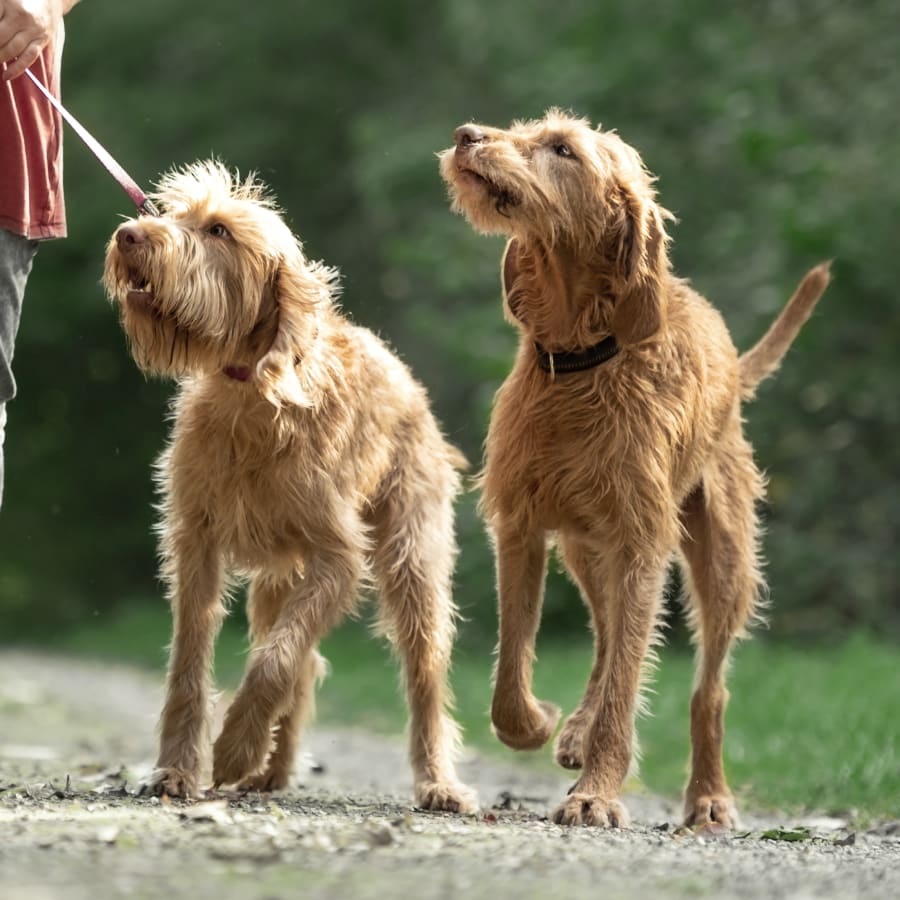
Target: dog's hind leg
313, 604
569, 747
263, 605
720, 546
636, 576
413, 558
520, 720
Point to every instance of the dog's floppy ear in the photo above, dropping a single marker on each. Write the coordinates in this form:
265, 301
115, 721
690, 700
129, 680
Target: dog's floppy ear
640, 265
510, 268
300, 290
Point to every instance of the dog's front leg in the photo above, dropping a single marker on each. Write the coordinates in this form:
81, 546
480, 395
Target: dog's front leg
196, 581
313, 605
608, 743
520, 720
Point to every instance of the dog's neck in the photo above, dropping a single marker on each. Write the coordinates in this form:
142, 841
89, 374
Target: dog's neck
560, 300
260, 341
243, 373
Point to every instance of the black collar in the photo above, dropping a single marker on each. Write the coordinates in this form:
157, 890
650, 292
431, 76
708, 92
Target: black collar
576, 360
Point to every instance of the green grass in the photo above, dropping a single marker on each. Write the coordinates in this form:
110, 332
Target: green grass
808, 726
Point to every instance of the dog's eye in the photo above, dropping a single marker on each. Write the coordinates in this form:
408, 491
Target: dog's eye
563, 150
218, 230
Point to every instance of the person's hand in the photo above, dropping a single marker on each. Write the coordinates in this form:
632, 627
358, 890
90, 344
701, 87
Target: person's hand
25, 28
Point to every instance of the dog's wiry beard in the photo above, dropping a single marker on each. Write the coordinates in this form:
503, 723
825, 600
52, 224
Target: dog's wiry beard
492, 209
160, 347
182, 322
162, 344
479, 193
523, 210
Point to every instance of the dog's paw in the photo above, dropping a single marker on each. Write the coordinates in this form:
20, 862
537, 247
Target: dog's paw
569, 748
236, 758
528, 731
446, 796
589, 809
171, 782
713, 807
266, 782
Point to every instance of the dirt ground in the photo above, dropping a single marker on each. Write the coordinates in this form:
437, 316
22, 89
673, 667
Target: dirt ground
76, 739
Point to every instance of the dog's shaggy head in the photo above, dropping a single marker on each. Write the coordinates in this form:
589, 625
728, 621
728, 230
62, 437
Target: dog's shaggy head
217, 280
576, 192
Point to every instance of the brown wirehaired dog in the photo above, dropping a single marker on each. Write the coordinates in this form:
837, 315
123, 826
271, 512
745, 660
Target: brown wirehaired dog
303, 456
618, 432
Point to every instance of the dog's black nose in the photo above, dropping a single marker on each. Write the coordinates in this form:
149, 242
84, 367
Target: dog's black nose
129, 235
466, 135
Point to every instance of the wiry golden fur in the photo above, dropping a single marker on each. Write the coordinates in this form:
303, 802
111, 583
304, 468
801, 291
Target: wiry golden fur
304, 457
622, 464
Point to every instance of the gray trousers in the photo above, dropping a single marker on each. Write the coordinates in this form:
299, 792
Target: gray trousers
16, 255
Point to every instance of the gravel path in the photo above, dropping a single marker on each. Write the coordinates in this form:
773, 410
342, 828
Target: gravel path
76, 739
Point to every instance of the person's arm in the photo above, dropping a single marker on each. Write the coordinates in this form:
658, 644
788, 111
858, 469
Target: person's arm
25, 28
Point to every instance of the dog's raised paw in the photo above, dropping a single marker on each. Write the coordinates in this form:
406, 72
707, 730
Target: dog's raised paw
528, 732
589, 809
446, 796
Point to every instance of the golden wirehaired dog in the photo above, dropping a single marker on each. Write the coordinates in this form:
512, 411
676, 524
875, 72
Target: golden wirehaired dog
618, 433
304, 457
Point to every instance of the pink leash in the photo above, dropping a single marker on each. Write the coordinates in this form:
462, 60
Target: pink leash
143, 203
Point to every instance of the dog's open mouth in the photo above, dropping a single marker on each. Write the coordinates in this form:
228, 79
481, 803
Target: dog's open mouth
503, 197
477, 177
472, 175
140, 291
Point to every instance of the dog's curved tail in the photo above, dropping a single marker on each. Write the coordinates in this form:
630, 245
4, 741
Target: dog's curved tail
763, 359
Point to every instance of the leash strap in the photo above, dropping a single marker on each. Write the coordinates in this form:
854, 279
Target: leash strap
126, 182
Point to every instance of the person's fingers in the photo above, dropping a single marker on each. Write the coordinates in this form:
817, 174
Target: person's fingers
23, 34
24, 59
13, 41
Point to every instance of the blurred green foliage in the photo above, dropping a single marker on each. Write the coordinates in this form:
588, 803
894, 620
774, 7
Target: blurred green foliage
773, 129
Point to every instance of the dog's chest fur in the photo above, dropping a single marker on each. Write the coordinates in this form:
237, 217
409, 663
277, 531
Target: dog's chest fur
572, 451
266, 485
